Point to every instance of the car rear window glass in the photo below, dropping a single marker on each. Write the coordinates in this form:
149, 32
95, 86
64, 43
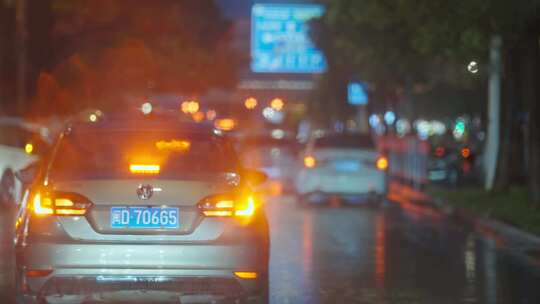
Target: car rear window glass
16, 137
268, 143
345, 142
106, 155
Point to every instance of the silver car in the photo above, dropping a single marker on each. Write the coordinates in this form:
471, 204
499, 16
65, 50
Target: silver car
345, 166
21, 143
277, 157
142, 210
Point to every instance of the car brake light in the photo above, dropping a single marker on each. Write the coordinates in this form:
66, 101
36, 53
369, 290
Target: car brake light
465, 152
38, 273
225, 206
42, 205
440, 151
382, 163
58, 203
247, 210
310, 162
144, 169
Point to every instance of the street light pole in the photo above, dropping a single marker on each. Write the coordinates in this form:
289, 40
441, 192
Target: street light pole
21, 50
491, 151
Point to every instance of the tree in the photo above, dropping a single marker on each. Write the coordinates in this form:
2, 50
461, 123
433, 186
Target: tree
7, 30
100, 53
398, 43
378, 42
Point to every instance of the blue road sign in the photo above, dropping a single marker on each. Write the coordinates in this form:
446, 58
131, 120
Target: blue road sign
357, 94
280, 41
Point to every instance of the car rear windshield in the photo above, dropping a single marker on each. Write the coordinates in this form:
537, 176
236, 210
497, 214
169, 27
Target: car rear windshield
17, 137
128, 154
256, 143
345, 142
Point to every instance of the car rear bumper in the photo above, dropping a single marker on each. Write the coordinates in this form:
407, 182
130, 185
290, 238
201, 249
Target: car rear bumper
87, 270
324, 198
169, 286
319, 181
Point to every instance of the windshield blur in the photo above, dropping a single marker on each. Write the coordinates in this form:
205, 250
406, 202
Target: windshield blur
270, 151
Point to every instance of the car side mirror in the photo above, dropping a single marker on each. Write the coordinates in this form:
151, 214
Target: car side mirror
254, 177
28, 174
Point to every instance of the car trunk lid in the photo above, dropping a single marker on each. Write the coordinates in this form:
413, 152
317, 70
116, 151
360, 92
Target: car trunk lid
346, 160
181, 197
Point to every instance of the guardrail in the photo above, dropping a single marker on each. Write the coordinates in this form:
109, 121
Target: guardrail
408, 157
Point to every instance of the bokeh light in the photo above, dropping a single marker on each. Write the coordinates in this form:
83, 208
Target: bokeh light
250, 103
277, 104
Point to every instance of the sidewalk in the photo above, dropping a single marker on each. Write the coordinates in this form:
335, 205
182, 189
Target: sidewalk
6, 252
520, 244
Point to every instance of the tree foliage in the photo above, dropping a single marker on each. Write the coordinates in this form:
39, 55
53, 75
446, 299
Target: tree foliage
400, 45
97, 53
397, 45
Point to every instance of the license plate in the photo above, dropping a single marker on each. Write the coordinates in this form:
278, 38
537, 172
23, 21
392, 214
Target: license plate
145, 217
346, 165
437, 175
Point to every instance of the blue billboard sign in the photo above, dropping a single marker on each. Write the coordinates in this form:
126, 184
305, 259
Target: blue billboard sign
357, 94
280, 41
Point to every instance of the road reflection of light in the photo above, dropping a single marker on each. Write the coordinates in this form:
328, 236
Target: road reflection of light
380, 252
307, 243
406, 197
490, 266
470, 268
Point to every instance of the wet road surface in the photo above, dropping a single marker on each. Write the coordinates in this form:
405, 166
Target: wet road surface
375, 255
6, 256
387, 255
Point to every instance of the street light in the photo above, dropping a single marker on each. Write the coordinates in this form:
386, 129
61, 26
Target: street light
277, 104
193, 107
93, 117
146, 108
389, 117
250, 103
190, 107
185, 107
472, 67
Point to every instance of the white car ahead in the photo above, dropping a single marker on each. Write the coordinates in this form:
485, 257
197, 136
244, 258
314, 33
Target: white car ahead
346, 166
21, 143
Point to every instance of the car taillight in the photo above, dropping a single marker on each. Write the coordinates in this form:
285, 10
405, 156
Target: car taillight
228, 206
144, 169
310, 162
465, 153
440, 151
382, 163
59, 203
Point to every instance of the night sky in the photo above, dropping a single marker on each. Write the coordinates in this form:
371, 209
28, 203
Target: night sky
236, 9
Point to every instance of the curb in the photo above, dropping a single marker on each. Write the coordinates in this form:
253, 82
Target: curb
520, 244
523, 245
